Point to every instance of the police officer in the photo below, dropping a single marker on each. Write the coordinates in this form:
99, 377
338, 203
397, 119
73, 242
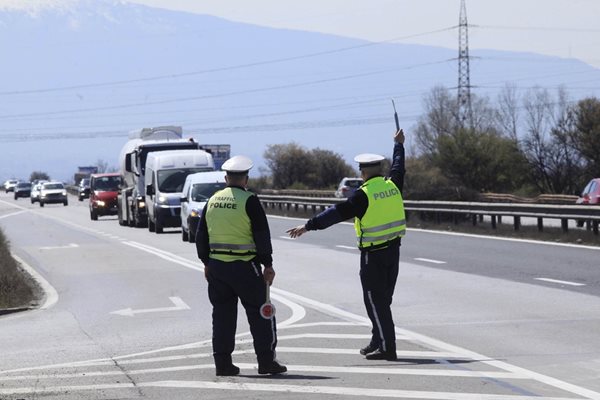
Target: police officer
233, 241
380, 223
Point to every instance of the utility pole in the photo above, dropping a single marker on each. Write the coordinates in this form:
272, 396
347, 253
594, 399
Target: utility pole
465, 114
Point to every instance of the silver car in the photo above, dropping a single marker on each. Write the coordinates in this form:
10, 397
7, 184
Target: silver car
53, 192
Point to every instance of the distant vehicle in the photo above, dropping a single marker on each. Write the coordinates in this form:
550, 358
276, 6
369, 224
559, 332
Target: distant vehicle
347, 187
141, 143
83, 190
22, 189
591, 193
53, 192
197, 189
103, 191
165, 176
35, 191
589, 196
9, 185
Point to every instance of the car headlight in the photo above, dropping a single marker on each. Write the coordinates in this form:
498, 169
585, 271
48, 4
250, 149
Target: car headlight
162, 199
194, 213
100, 203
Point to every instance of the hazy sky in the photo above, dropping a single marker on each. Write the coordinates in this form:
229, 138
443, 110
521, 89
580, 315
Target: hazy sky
564, 28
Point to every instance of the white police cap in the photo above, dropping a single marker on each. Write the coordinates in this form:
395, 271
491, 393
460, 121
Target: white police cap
367, 159
237, 164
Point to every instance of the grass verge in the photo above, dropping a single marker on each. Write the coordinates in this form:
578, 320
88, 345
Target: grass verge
17, 289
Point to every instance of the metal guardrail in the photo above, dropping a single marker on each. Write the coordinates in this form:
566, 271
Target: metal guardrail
590, 215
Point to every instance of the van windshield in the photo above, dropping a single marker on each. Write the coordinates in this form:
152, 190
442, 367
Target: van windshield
172, 180
203, 191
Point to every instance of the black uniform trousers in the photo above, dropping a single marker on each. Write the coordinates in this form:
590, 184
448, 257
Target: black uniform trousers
378, 275
228, 281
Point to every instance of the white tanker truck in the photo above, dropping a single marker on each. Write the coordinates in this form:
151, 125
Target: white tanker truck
131, 201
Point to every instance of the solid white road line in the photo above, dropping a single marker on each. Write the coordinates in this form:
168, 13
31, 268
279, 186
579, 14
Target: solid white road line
285, 237
560, 282
12, 214
291, 368
429, 260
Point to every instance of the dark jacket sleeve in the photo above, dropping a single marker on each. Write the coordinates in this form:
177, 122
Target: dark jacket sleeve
202, 246
397, 169
260, 231
355, 206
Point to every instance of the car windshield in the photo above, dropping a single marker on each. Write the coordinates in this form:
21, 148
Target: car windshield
106, 183
24, 185
50, 186
85, 182
354, 183
172, 180
203, 191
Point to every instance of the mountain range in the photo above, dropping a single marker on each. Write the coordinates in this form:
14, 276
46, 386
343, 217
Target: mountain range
78, 76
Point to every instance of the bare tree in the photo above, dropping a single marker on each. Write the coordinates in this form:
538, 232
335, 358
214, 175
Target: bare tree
507, 113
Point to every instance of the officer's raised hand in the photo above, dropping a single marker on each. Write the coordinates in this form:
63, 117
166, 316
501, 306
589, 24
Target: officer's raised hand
399, 136
296, 232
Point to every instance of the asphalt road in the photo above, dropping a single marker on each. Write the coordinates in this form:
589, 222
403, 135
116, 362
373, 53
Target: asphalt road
127, 317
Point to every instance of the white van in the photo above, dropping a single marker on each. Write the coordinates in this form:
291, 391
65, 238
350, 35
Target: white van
164, 178
196, 191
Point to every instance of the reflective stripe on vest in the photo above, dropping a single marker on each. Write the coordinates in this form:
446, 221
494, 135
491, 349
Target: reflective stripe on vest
385, 218
229, 229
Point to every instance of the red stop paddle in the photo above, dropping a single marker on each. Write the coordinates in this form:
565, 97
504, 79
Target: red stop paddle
267, 310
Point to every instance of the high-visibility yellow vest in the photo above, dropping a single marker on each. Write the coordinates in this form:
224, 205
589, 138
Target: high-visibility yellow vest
229, 229
384, 219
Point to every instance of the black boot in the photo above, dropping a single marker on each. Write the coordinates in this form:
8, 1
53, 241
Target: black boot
227, 370
379, 354
368, 349
272, 367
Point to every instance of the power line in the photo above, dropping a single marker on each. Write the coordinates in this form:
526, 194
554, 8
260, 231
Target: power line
538, 28
223, 69
220, 95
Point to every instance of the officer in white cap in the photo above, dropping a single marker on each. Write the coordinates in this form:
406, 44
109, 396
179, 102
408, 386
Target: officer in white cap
380, 223
234, 244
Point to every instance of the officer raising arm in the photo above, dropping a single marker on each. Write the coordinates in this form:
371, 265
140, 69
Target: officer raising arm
233, 241
380, 223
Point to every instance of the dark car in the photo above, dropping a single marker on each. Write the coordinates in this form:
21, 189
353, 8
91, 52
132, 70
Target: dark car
104, 189
22, 189
83, 190
348, 186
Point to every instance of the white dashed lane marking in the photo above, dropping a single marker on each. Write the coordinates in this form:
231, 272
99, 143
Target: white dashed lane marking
429, 260
560, 282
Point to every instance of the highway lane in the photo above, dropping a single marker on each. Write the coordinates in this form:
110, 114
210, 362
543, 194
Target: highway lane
576, 267
498, 324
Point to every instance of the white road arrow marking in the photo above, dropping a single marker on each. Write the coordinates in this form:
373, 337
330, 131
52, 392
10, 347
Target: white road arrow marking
179, 305
69, 246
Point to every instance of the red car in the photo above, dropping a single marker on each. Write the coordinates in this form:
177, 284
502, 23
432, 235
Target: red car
591, 193
103, 194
